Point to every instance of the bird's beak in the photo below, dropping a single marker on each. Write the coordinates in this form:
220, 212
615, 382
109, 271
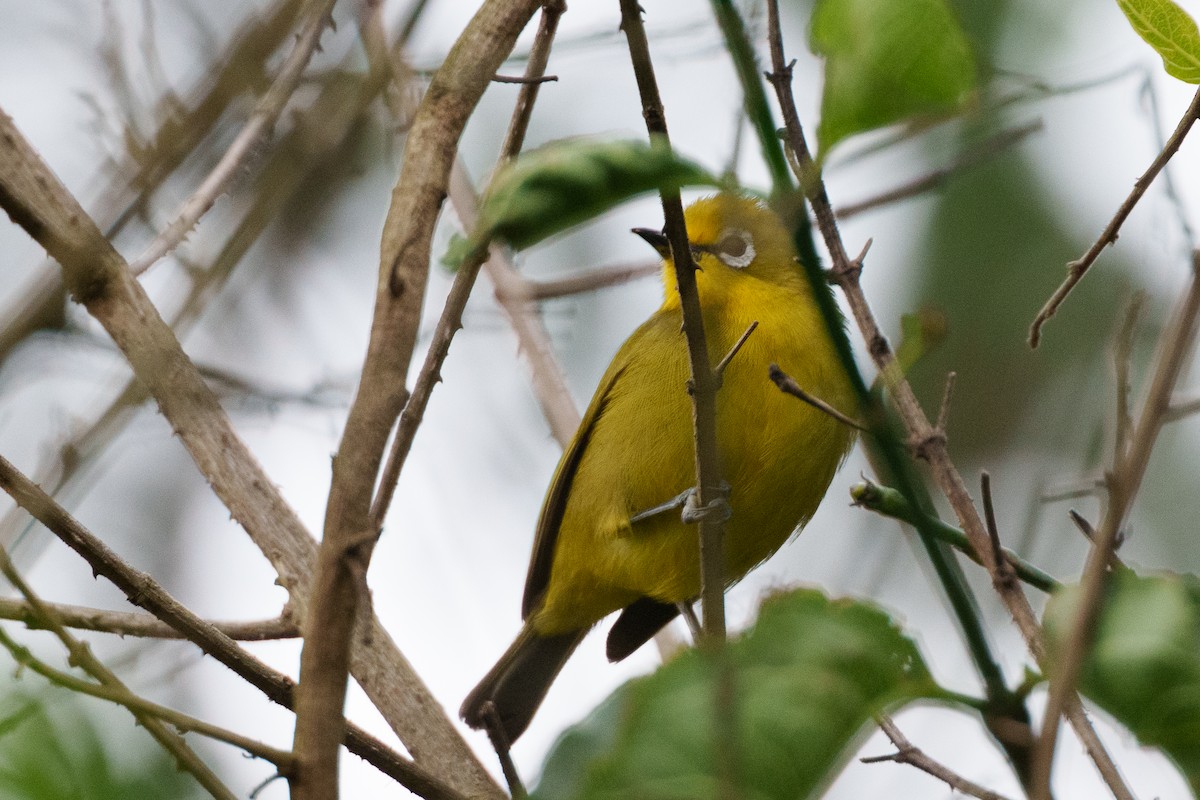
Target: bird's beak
656, 239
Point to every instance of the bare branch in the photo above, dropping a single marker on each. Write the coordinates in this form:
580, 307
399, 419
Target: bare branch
787, 384
908, 753
986, 150
259, 125
124, 623
1078, 268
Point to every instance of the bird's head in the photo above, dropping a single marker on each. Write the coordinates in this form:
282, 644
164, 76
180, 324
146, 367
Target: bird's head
733, 239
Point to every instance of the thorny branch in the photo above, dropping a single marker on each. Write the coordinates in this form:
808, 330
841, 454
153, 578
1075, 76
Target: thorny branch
908, 753
1078, 268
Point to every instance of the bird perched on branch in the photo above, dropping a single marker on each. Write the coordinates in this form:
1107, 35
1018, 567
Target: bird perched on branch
606, 541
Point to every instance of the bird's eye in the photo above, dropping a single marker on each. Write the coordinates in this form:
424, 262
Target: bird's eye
735, 248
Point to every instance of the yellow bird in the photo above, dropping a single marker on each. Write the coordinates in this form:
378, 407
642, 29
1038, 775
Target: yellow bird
595, 550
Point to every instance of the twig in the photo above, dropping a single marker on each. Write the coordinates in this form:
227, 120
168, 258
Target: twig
1123, 484
788, 385
889, 502
908, 753
1076, 269
733, 351
259, 125
521, 79
588, 281
988, 149
124, 623
1122, 358
1182, 408
503, 748
1089, 532
81, 656
926, 441
1004, 570
703, 381
147, 593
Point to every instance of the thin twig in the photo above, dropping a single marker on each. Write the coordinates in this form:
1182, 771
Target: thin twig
733, 351
788, 385
1123, 484
908, 753
1076, 269
265, 115
1122, 359
588, 281
984, 151
124, 623
943, 416
1004, 570
521, 79
703, 381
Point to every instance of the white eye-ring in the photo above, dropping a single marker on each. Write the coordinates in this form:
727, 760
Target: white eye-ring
735, 248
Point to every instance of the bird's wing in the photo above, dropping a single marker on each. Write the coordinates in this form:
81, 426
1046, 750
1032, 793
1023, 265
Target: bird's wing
549, 522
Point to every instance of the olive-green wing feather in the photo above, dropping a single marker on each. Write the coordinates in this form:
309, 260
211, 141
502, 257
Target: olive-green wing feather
546, 537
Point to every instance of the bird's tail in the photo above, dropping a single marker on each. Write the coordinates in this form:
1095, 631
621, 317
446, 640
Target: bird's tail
517, 684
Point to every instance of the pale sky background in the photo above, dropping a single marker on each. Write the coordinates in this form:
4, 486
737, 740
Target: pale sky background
448, 573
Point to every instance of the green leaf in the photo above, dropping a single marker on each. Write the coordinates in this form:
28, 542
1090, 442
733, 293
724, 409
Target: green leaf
1169, 30
1144, 665
547, 190
888, 61
798, 689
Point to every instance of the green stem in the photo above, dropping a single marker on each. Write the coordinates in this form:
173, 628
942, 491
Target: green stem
889, 502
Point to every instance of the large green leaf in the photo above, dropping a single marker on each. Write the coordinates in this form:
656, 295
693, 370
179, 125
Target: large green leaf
1144, 665
887, 61
1170, 31
564, 183
798, 689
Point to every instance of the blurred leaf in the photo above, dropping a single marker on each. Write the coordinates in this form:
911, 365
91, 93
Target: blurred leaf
990, 278
1144, 665
887, 61
562, 184
802, 684
920, 334
457, 250
1170, 31
41, 758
